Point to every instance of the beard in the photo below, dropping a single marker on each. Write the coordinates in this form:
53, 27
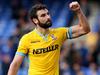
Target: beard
46, 24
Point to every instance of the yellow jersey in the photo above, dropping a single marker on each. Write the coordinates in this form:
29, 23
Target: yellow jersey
43, 51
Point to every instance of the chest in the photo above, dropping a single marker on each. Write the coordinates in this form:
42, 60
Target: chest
43, 45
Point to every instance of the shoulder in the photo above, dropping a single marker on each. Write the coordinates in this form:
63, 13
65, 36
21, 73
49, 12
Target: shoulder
60, 29
27, 36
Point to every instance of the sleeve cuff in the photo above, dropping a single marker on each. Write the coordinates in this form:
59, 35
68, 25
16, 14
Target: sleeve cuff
19, 53
69, 33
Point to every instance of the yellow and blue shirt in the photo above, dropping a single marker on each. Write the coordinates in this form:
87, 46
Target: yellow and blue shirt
43, 51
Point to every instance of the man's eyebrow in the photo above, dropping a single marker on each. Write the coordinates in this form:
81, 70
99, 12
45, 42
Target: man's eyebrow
43, 14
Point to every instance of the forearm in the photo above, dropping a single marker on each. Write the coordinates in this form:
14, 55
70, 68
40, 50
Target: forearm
83, 26
13, 69
83, 22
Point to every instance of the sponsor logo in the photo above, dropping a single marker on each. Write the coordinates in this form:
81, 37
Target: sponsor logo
47, 49
34, 41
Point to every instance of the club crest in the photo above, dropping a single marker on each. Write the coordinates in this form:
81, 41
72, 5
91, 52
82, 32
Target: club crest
53, 37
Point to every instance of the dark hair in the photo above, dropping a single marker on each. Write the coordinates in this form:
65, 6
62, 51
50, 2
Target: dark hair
34, 9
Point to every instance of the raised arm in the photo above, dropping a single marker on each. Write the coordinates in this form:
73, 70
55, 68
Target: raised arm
15, 65
83, 26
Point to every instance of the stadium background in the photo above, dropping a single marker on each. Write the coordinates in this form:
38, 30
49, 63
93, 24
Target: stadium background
78, 56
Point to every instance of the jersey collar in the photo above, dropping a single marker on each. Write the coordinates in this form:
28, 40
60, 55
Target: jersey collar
41, 34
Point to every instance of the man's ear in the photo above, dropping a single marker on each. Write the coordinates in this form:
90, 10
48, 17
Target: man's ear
35, 20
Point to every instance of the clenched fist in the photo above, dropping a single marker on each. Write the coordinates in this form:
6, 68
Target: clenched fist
74, 6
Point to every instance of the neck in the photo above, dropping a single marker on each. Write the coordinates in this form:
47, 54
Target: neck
42, 30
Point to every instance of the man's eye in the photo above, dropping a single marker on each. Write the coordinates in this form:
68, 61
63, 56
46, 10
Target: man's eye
42, 15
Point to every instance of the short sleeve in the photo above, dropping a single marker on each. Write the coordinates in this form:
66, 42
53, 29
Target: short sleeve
66, 33
23, 46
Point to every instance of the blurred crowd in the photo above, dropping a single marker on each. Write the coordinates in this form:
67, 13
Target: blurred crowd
79, 56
